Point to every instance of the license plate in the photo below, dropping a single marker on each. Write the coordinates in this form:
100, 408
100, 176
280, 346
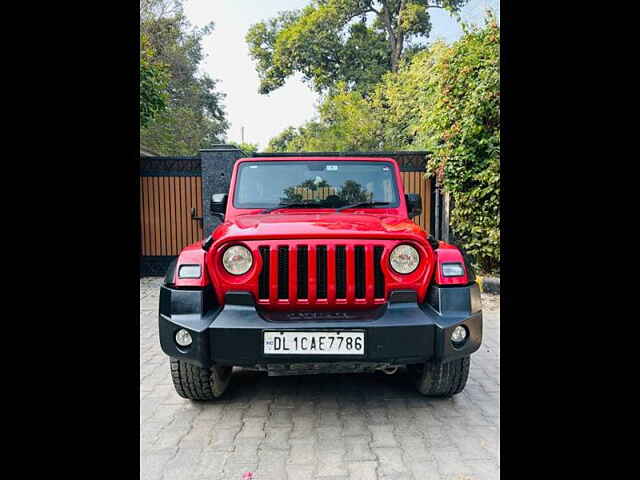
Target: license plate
314, 343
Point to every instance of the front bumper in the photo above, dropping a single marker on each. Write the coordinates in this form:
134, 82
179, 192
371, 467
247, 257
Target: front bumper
398, 333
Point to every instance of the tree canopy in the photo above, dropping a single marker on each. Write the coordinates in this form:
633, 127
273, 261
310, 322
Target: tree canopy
349, 41
194, 115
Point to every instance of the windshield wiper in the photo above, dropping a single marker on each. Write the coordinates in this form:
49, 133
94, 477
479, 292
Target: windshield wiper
293, 205
362, 204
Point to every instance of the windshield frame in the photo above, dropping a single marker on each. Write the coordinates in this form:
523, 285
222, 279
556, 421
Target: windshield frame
395, 190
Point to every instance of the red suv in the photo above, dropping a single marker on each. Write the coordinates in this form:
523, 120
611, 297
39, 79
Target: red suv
316, 267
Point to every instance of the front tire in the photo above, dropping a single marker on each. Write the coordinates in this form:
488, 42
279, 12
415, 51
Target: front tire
438, 379
197, 383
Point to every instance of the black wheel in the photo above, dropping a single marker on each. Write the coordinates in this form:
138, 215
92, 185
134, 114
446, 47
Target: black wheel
437, 379
197, 383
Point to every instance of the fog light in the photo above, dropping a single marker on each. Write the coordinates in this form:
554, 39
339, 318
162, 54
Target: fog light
459, 334
183, 338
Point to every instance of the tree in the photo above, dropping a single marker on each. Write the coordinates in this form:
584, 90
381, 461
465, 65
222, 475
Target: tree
247, 148
311, 136
154, 78
347, 123
445, 100
280, 143
350, 41
194, 117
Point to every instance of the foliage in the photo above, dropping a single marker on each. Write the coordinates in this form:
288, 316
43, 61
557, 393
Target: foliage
350, 41
283, 142
194, 117
445, 100
402, 99
462, 129
247, 148
153, 84
347, 123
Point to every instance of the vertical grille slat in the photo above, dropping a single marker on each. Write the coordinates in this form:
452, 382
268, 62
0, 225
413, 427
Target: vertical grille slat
283, 272
303, 275
341, 272
263, 280
321, 272
360, 271
369, 275
379, 277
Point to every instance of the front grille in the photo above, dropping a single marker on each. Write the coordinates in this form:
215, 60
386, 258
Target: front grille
338, 273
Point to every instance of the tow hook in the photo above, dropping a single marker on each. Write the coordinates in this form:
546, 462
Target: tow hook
390, 370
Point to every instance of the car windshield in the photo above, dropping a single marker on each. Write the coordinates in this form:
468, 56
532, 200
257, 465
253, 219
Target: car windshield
270, 184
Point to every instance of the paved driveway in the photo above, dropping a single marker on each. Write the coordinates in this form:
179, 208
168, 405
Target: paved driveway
357, 426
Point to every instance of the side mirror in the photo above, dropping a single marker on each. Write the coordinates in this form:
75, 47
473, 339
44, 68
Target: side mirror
414, 204
218, 204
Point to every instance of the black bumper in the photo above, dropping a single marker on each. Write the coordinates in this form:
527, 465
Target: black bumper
400, 332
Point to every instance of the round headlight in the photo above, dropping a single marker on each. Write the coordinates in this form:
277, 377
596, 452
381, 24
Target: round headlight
404, 259
237, 260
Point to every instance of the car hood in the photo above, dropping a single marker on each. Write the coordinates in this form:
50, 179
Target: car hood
317, 225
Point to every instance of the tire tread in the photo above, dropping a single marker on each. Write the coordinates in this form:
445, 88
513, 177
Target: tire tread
443, 379
191, 381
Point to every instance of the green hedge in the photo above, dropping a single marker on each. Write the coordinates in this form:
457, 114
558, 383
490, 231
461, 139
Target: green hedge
464, 129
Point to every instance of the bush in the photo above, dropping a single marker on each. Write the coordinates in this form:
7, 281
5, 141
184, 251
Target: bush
463, 130
447, 101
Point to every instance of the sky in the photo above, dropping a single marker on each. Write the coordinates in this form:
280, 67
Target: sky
227, 59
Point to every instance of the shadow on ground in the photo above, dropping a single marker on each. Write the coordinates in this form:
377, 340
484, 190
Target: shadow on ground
247, 385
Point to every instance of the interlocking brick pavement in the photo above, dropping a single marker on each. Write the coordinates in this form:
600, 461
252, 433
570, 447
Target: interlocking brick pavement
320, 427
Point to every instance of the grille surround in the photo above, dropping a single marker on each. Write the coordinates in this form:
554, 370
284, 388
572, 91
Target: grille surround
340, 273
262, 280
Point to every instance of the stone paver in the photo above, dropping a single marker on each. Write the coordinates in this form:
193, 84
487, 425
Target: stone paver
318, 427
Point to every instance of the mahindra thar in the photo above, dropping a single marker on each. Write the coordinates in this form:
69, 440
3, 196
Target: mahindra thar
316, 267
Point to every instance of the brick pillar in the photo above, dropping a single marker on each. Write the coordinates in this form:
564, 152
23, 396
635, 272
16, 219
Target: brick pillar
217, 163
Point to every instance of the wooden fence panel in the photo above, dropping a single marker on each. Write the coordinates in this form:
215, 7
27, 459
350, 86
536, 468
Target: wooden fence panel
415, 182
165, 214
